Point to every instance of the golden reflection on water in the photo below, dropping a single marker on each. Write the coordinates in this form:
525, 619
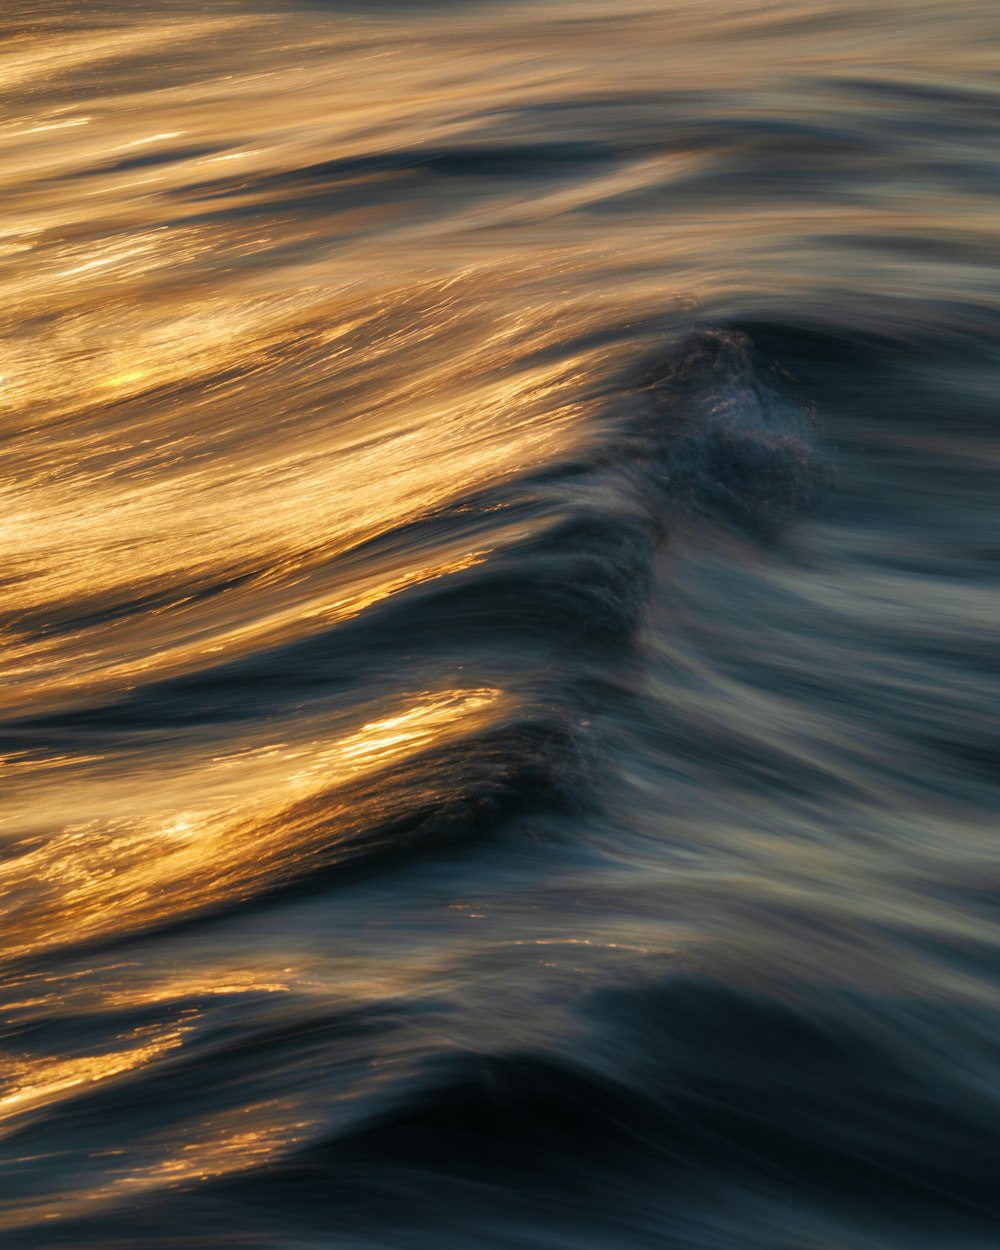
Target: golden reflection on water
221, 376
230, 1141
31, 1082
159, 333
57, 673
244, 1137
250, 818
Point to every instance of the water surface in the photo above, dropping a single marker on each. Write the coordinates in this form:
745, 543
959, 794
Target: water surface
498, 603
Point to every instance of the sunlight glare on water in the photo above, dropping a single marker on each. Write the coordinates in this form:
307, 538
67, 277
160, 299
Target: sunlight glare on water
497, 729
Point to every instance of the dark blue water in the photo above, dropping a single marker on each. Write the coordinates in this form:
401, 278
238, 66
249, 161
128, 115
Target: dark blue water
499, 739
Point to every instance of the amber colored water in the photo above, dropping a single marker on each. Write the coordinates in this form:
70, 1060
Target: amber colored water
498, 605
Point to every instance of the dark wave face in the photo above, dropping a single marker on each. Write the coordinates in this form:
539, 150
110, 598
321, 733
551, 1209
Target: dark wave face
499, 740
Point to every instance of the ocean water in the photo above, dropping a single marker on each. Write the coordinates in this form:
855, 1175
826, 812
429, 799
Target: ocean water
499, 740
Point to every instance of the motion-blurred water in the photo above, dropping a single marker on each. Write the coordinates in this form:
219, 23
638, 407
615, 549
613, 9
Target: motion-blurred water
499, 616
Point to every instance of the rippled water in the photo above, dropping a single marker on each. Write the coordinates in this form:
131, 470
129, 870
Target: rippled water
499, 604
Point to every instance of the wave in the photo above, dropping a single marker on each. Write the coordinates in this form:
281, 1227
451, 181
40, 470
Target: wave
498, 729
